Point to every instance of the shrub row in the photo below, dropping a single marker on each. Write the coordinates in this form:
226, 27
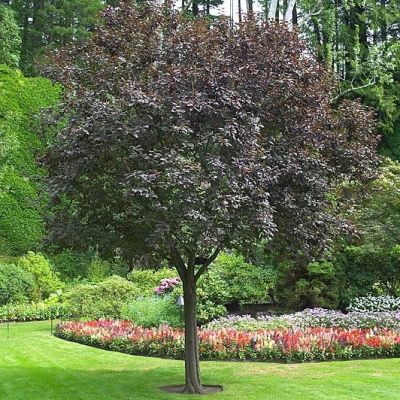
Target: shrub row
264, 345
31, 312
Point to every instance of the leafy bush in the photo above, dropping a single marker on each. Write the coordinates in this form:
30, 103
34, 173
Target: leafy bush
16, 284
98, 269
100, 300
71, 265
231, 280
317, 284
245, 282
374, 304
46, 281
10, 40
372, 269
147, 280
153, 311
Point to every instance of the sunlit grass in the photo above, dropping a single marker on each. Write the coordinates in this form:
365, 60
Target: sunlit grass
37, 366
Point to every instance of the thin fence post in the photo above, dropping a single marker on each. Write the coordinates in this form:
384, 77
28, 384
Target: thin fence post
8, 322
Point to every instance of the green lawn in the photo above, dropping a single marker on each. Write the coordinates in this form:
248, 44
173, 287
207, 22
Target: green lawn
35, 365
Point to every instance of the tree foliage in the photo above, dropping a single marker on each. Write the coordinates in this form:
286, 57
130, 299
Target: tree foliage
16, 284
373, 261
184, 137
360, 42
46, 280
22, 201
10, 39
53, 23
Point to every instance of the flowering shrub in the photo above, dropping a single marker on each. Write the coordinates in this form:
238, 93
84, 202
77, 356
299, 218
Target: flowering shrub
374, 303
228, 344
311, 318
167, 285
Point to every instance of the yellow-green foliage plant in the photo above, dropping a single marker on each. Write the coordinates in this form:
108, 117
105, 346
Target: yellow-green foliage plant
46, 280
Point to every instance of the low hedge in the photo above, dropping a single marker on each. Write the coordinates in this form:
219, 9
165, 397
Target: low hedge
312, 344
31, 312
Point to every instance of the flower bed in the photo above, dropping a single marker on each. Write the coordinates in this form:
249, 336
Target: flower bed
375, 304
230, 344
311, 318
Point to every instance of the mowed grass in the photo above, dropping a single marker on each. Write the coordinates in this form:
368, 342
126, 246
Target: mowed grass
37, 366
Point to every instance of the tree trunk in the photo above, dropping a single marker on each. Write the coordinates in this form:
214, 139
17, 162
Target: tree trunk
289, 11
273, 5
192, 362
195, 8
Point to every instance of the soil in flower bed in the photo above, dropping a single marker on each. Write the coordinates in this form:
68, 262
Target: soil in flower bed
311, 344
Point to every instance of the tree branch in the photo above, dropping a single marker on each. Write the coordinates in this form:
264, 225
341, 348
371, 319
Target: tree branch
177, 260
352, 89
187, 6
206, 264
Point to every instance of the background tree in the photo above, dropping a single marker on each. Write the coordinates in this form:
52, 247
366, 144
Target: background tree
185, 137
372, 260
359, 40
10, 39
52, 23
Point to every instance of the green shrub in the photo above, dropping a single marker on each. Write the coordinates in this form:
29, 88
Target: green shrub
71, 265
317, 284
371, 269
75, 266
100, 300
46, 281
238, 281
10, 40
98, 269
147, 280
153, 311
231, 280
16, 284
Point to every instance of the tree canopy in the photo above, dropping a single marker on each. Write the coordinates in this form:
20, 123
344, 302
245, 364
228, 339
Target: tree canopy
183, 137
10, 39
52, 23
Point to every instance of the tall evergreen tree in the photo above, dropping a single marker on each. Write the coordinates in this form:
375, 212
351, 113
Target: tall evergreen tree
359, 40
10, 40
53, 23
